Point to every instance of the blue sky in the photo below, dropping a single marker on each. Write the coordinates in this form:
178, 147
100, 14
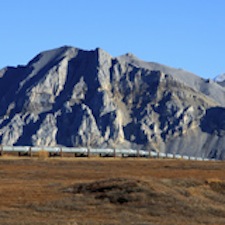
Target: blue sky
187, 34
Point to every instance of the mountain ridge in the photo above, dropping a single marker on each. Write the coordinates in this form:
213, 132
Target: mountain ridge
74, 97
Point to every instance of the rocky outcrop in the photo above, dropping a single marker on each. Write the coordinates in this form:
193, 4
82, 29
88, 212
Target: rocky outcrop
73, 97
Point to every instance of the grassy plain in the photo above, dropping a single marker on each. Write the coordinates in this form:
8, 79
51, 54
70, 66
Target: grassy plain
94, 191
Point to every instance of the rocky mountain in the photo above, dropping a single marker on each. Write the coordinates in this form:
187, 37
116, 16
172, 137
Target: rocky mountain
71, 97
220, 79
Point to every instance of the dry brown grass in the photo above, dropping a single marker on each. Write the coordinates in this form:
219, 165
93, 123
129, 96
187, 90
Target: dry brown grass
42, 154
111, 191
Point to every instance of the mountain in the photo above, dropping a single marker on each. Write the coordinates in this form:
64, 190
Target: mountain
71, 97
220, 79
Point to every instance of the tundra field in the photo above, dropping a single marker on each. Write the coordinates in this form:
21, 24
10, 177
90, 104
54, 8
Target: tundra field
95, 191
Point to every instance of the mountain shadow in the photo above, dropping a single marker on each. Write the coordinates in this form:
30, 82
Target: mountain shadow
214, 121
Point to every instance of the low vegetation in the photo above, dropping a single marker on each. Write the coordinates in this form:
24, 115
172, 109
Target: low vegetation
111, 191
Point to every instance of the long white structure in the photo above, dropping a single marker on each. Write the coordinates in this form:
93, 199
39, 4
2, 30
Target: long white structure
106, 152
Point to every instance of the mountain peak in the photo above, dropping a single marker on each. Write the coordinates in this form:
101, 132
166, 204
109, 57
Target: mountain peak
73, 97
220, 78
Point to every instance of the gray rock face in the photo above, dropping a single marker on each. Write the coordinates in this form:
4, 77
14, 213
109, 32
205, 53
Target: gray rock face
73, 97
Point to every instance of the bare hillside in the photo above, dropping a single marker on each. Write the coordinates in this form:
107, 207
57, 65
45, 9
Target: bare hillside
71, 97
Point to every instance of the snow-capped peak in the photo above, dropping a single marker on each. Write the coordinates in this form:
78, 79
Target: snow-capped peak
220, 78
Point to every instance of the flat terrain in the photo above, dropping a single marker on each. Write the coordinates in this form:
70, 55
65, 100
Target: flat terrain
92, 191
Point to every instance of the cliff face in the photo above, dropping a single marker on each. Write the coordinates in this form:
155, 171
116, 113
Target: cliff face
72, 97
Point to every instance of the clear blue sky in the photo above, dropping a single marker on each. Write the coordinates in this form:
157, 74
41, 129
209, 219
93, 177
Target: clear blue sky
187, 34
